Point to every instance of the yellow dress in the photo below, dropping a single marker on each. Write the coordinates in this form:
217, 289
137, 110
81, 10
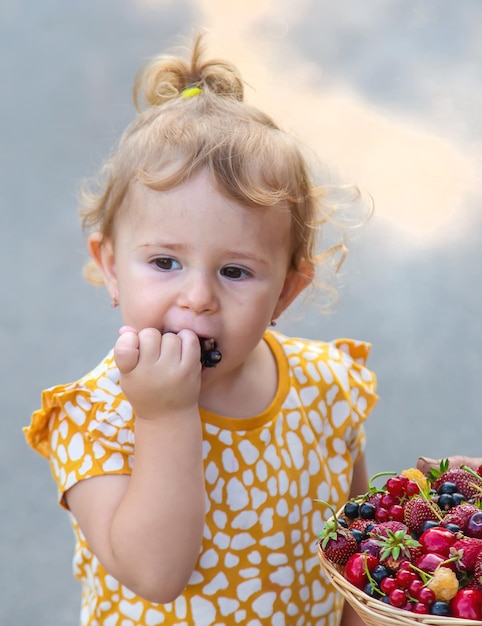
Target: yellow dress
258, 564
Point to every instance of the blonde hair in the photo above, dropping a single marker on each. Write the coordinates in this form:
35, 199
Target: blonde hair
250, 158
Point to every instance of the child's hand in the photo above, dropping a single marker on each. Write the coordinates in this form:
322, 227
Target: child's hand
424, 464
160, 375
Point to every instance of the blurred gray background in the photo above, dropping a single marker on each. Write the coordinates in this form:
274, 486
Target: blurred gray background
387, 93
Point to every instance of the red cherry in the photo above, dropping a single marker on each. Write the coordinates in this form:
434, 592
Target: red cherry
404, 577
421, 609
426, 596
397, 597
356, 568
388, 584
395, 486
382, 515
437, 540
411, 488
414, 588
429, 562
387, 500
467, 604
396, 512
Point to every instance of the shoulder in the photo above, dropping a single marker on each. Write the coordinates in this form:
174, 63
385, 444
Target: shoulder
338, 367
95, 404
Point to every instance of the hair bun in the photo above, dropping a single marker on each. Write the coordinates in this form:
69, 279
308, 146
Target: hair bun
165, 77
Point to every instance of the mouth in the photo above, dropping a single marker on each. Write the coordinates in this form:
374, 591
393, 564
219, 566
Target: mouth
210, 355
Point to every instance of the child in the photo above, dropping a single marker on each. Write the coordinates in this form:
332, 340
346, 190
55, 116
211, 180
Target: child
191, 488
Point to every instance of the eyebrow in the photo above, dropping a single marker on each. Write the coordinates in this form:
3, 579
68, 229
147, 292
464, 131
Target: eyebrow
236, 254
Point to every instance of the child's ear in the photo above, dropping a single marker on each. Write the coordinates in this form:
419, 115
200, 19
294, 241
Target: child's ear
295, 282
102, 252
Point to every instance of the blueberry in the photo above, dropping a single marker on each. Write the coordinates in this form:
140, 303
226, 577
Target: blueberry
367, 510
445, 501
455, 528
351, 509
342, 522
458, 498
447, 487
357, 534
429, 524
440, 608
379, 573
372, 590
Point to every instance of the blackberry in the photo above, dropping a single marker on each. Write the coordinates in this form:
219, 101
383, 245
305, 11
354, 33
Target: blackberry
210, 356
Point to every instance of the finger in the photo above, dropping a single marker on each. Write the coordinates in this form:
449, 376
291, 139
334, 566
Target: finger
149, 345
425, 464
126, 351
126, 329
190, 346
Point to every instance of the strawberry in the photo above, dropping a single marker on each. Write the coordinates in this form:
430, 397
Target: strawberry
478, 570
469, 484
361, 524
460, 515
392, 526
397, 546
337, 542
468, 550
417, 511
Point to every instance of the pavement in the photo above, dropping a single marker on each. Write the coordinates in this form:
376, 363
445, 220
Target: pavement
391, 89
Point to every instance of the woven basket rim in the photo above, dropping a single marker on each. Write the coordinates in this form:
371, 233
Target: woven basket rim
377, 613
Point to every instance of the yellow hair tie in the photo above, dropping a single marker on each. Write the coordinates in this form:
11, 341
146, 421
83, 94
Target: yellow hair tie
189, 92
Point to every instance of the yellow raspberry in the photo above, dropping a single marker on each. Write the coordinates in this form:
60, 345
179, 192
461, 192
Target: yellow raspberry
444, 584
417, 476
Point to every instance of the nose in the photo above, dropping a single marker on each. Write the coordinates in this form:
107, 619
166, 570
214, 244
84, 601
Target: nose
198, 293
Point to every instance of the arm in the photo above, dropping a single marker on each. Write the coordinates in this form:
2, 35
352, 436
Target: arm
359, 485
146, 529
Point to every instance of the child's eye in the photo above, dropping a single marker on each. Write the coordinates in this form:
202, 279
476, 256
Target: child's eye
233, 272
166, 263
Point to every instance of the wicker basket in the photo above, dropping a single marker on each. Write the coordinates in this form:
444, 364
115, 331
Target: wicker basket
376, 613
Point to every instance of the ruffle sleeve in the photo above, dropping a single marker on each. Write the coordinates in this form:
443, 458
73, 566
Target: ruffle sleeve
346, 367
84, 429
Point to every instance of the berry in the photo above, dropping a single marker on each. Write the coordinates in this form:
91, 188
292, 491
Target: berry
379, 573
429, 562
444, 584
351, 509
396, 512
447, 487
473, 527
382, 530
468, 550
371, 546
438, 540
445, 501
337, 542
468, 483
394, 487
440, 608
388, 584
418, 510
357, 568
210, 356
360, 524
367, 510
426, 596
414, 475
460, 515
467, 604
397, 597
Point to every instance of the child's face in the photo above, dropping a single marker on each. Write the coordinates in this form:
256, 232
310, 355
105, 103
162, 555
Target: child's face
191, 258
